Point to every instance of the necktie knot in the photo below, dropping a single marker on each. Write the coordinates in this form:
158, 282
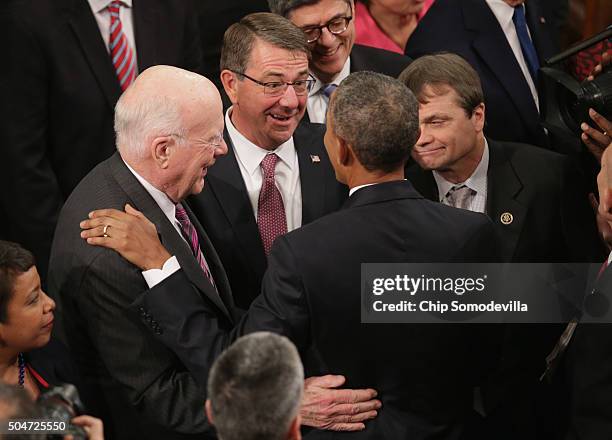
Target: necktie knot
459, 196
181, 215
268, 165
329, 89
114, 7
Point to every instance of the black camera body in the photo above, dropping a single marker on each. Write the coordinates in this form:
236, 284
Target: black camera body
62, 403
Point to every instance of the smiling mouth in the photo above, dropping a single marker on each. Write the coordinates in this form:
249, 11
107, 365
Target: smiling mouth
49, 324
428, 151
280, 117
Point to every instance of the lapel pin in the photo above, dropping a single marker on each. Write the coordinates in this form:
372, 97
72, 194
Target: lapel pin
542, 20
506, 218
315, 158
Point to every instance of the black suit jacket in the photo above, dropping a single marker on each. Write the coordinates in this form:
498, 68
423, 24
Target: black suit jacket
469, 28
225, 211
552, 222
375, 60
588, 374
311, 293
59, 89
133, 382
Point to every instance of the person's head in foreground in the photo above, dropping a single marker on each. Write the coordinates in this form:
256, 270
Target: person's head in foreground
372, 123
451, 114
255, 389
329, 29
26, 312
169, 127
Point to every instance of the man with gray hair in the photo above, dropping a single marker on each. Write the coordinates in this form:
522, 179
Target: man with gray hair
330, 31
255, 388
169, 126
311, 290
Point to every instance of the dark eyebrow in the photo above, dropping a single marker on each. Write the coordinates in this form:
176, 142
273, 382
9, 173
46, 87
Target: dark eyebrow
435, 116
339, 15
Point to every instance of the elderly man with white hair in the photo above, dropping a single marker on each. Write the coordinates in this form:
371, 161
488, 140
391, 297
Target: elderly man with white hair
169, 126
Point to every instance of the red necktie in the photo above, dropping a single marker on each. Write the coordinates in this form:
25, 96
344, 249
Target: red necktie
271, 219
121, 53
191, 236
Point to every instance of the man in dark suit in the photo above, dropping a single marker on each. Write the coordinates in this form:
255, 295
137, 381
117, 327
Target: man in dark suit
534, 198
168, 124
311, 288
59, 88
505, 41
260, 124
330, 29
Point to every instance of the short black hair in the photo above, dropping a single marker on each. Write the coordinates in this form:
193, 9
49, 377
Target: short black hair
14, 260
284, 7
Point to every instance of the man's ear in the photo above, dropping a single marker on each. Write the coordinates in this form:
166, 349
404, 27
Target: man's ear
230, 84
478, 116
294, 429
345, 153
208, 408
161, 149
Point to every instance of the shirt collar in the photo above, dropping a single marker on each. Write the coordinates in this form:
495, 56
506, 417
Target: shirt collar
346, 71
502, 11
100, 5
477, 181
160, 197
251, 155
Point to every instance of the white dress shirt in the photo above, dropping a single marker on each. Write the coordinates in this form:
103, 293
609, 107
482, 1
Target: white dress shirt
504, 12
317, 101
286, 174
476, 182
100, 11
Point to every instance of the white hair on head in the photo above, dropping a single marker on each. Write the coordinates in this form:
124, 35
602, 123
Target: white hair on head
140, 119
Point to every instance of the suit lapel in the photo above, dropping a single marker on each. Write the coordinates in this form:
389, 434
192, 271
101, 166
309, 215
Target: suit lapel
85, 28
503, 187
227, 185
311, 159
146, 27
169, 236
491, 45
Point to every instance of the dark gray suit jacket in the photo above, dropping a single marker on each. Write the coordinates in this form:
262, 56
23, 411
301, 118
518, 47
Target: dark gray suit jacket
225, 211
138, 386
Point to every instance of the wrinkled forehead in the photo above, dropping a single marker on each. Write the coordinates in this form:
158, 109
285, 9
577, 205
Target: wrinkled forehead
319, 13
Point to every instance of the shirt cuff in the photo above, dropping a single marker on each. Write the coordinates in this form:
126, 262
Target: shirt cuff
155, 276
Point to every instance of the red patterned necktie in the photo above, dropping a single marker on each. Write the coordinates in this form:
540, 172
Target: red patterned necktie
120, 50
271, 219
191, 236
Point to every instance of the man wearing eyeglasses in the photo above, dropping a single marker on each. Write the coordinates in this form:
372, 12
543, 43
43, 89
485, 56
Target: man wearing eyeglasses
276, 176
330, 31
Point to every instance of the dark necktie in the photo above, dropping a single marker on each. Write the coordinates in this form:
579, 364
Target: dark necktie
120, 50
459, 196
328, 89
271, 219
527, 47
191, 235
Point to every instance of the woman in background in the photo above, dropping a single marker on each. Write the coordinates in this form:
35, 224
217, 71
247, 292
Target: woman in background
387, 24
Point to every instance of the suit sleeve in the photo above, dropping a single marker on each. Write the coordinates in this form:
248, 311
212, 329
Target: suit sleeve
30, 192
189, 326
151, 377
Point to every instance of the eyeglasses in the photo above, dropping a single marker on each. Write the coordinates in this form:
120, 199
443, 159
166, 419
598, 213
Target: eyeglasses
278, 88
335, 26
216, 141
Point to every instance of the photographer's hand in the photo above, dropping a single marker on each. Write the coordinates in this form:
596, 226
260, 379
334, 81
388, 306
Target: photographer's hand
91, 425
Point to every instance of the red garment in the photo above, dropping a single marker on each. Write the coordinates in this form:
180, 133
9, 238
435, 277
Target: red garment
368, 33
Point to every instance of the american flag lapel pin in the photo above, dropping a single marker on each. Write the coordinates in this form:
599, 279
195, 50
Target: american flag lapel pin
315, 158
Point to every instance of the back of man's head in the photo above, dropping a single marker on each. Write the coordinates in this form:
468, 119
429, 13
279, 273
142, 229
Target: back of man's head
378, 117
239, 38
440, 72
255, 388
